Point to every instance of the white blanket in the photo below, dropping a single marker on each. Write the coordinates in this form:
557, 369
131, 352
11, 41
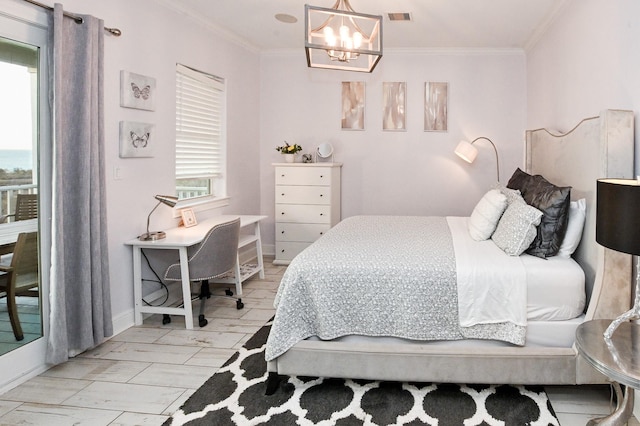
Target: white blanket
492, 286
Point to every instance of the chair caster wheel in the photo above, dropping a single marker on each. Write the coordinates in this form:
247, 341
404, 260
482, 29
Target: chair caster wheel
166, 319
228, 292
202, 321
239, 304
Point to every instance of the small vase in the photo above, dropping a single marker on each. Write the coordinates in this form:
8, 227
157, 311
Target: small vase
289, 158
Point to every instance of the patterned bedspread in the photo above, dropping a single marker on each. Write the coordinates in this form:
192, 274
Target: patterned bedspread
376, 276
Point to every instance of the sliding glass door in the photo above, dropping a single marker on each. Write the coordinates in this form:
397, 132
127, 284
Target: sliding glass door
25, 197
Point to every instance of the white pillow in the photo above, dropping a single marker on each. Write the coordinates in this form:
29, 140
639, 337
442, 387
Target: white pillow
486, 214
517, 228
577, 217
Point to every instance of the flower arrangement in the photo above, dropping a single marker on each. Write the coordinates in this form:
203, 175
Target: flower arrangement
289, 149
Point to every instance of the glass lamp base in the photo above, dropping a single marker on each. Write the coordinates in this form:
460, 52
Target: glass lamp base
152, 236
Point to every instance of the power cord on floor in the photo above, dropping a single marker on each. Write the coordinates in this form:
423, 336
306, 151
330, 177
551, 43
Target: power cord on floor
157, 280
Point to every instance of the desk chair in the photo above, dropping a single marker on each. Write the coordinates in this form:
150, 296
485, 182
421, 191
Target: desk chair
216, 255
26, 208
20, 278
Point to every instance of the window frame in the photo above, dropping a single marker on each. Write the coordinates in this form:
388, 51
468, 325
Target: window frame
219, 196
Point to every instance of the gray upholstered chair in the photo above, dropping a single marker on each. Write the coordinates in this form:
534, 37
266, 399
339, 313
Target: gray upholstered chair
215, 256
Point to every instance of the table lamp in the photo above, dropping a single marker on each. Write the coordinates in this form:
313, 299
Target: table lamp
618, 228
468, 152
168, 200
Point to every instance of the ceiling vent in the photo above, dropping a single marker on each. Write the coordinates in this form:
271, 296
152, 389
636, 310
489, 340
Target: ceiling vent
399, 16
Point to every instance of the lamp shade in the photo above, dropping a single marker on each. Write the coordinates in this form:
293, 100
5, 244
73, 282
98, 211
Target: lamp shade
169, 200
618, 215
466, 151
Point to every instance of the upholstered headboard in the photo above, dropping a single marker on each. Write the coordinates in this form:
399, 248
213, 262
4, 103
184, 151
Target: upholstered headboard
597, 147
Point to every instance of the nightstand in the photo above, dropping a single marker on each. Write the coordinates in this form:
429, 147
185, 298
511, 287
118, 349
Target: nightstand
618, 359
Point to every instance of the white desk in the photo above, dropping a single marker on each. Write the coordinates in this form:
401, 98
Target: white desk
180, 239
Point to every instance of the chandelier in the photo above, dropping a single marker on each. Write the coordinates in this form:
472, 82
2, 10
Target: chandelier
340, 38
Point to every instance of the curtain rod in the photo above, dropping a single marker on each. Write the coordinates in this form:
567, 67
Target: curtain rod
115, 31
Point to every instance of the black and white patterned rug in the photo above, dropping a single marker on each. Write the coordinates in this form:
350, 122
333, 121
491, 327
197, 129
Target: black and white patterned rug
235, 395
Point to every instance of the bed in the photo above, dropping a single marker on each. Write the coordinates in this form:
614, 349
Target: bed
532, 345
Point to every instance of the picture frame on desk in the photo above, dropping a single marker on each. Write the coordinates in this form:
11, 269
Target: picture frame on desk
188, 218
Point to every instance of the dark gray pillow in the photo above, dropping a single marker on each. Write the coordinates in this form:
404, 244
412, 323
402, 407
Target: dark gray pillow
553, 201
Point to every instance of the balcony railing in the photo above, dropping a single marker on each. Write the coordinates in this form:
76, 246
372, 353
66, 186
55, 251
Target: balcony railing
8, 196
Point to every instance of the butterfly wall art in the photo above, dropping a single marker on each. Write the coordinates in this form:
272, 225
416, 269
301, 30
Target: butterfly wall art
136, 139
137, 91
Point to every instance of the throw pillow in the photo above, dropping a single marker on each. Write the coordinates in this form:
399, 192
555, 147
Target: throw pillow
517, 228
553, 201
577, 217
486, 214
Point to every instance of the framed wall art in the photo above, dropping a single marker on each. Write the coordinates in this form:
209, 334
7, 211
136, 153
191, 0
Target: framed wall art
394, 100
136, 139
137, 91
435, 107
352, 105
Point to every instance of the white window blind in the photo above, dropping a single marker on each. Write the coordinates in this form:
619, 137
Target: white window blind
200, 119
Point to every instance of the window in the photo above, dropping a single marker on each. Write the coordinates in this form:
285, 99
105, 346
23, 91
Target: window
200, 135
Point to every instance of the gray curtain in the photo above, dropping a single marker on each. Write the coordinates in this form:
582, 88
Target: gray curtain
80, 316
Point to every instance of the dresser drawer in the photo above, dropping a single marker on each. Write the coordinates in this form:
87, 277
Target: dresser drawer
303, 176
301, 232
300, 213
288, 250
289, 194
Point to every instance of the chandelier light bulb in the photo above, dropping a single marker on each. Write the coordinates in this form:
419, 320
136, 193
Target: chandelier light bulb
344, 32
357, 39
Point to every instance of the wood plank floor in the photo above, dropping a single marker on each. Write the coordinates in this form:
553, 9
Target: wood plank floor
144, 374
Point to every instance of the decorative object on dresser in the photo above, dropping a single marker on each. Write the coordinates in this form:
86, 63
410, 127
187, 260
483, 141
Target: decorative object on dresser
168, 200
324, 153
468, 152
307, 205
618, 228
340, 38
289, 151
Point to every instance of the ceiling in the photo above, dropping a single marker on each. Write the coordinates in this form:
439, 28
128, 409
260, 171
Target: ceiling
476, 24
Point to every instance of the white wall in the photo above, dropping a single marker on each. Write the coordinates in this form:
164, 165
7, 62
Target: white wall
155, 38
406, 173
587, 61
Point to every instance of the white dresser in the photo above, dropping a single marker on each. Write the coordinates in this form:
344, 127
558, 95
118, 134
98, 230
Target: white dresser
307, 205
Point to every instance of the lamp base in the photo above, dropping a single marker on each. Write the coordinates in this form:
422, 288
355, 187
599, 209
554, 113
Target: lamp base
633, 313
152, 236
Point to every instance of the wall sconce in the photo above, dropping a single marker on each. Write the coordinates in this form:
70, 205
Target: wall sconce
468, 152
168, 200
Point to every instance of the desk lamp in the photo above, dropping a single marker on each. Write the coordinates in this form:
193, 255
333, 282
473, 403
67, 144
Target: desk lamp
170, 201
468, 152
618, 228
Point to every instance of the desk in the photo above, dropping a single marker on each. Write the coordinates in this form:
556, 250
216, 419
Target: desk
618, 359
9, 233
180, 239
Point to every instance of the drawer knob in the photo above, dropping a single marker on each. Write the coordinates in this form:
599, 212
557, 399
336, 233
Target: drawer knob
282, 251
321, 176
321, 214
282, 194
321, 233
321, 195
282, 232
282, 213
